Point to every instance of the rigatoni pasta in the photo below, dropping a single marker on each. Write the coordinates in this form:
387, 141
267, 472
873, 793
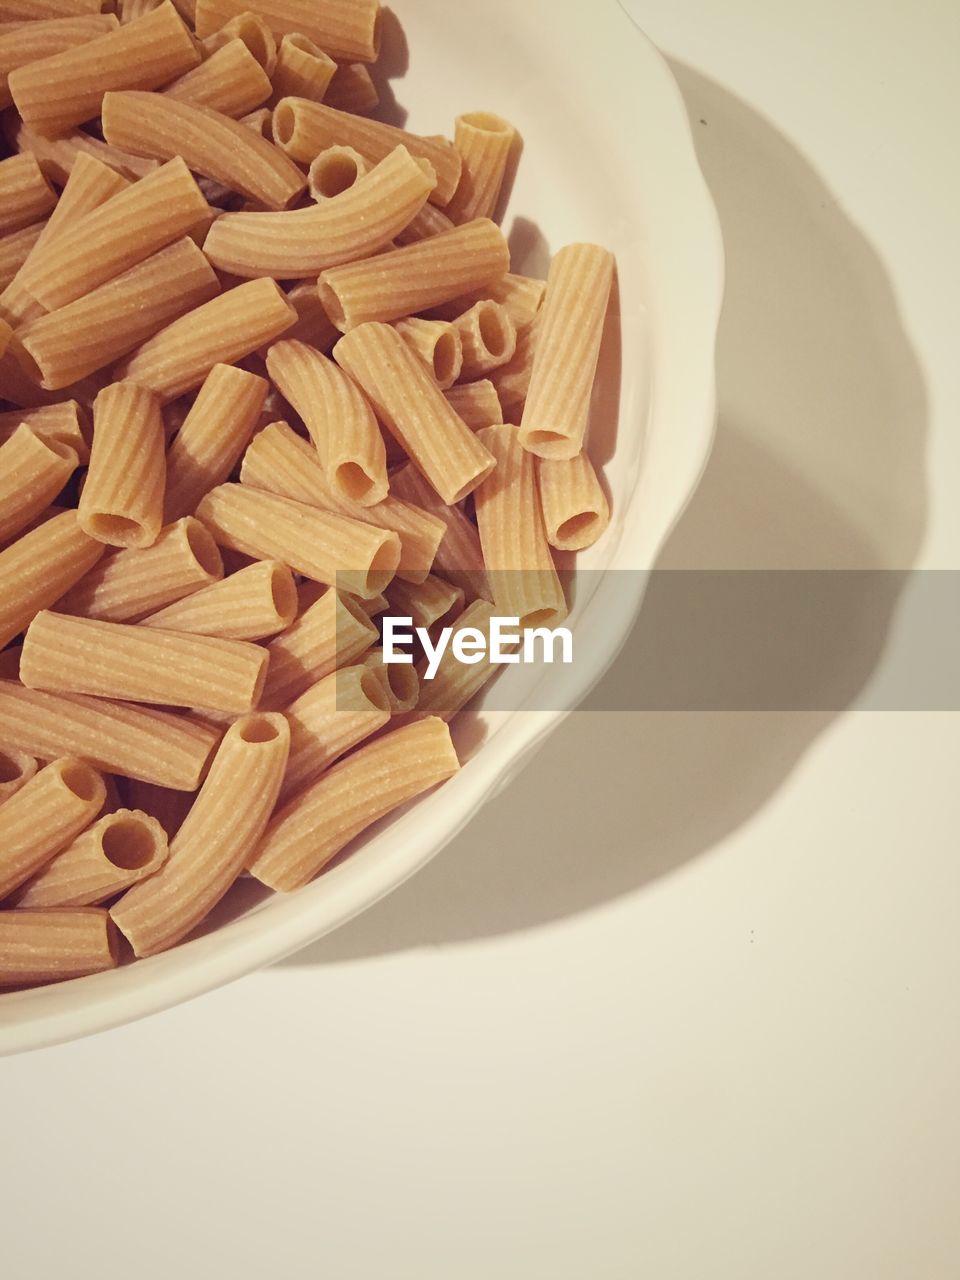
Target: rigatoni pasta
16, 770
575, 508
332, 631
251, 604
352, 89
455, 683
398, 680
231, 81
15, 248
122, 500
437, 344
255, 34
488, 338
458, 555
66, 422
335, 170
303, 70
477, 403
32, 473
32, 41
346, 29
485, 142
39, 567
25, 194
52, 946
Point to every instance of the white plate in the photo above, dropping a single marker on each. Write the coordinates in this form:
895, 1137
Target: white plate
608, 157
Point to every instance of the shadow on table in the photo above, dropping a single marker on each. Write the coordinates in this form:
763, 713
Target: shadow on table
822, 403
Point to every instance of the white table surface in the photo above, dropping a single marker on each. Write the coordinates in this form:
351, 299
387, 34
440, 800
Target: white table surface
695, 1014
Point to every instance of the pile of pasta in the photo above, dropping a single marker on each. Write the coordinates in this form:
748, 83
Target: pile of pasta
266, 376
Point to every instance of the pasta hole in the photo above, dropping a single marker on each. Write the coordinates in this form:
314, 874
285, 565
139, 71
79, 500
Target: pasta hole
447, 358
118, 530
404, 683
352, 481
304, 44
331, 175
80, 779
10, 769
577, 526
383, 565
373, 690
129, 844
257, 729
284, 122
547, 438
487, 121
259, 41
205, 550
62, 448
493, 331
283, 592
331, 304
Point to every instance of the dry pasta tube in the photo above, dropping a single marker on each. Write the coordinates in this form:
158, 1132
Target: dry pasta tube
216, 838
35, 40
66, 89
222, 331
231, 81
281, 462
515, 549
488, 337
15, 248
430, 221
32, 473
212, 437
301, 242
21, 11
113, 854
131, 10
25, 194
254, 603
331, 632
485, 142
127, 585
210, 143
104, 325
66, 422
437, 344
254, 33
334, 171
43, 817
312, 827
455, 682
346, 29
135, 742
39, 567
477, 403
458, 556
303, 129
328, 720
398, 680
407, 281
341, 423
522, 296
512, 380
409, 403
58, 156
122, 500
303, 70
430, 604
63, 654
557, 407
16, 770
575, 508
352, 89
52, 946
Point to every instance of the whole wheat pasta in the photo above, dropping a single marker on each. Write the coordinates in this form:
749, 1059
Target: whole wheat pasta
167, 806
314, 825
131, 10
66, 422
409, 280
212, 437
254, 33
179, 357
259, 121
252, 604
21, 11
52, 946
135, 742
301, 242
437, 344
312, 325
352, 89
210, 143
216, 838
331, 632
25, 194
106, 323
36, 40
485, 142
335, 170
16, 770
411, 406
522, 296
373, 607
512, 380
43, 817
303, 70
67, 88
57, 156
231, 81
32, 473
557, 407
398, 680
63, 654
458, 556
328, 720
430, 221
128, 585
575, 508
281, 462
328, 548
455, 682
122, 500
477, 403
303, 129
122, 848
488, 337
341, 423
431, 603
15, 249
346, 29
39, 567
515, 549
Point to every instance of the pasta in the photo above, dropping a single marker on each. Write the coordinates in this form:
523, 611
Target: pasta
335, 170
398, 681
216, 839
32, 473
437, 344
123, 847
458, 556
130, 10
328, 548
253, 603
430, 221
341, 423
122, 500
39, 567
135, 742
413, 409
567, 350
477, 403
515, 549
212, 437
51, 946
512, 380
488, 337
346, 29
16, 769
485, 142
312, 827
409, 280
222, 331
57, 156
331, 632
312, 325
303, 70
63, 654
352, 89
575, 508
155, 125
66, 422
168, 807
430, 604
231, 80
35, 40
15, 249
521, 296
254, 33
67, 88
44, 816
302, 242
38, 10
128, 585
25, 194
455, 683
